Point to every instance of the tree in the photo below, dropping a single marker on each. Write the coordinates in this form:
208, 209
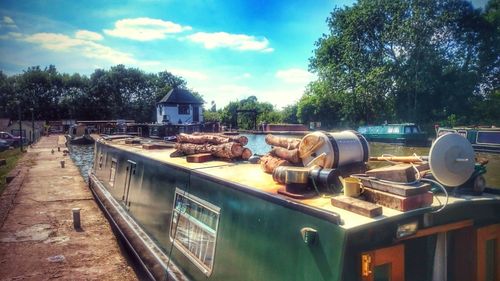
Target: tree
399, 60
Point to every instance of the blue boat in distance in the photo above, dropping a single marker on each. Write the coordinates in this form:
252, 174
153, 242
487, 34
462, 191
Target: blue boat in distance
404, 134
483, 139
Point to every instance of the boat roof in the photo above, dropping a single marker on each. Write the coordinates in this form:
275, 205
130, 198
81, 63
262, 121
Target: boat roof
481, 128
251, 177
382, 125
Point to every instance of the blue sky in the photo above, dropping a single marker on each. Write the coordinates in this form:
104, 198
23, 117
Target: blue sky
225, 50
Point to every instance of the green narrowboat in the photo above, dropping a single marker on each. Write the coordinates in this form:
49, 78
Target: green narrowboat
222, 220
483, 139
79, 134
405, 134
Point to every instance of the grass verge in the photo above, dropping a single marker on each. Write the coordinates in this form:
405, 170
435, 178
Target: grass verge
11, 156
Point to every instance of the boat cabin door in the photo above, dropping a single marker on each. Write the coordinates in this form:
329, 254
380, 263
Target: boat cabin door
383, 264
130, 172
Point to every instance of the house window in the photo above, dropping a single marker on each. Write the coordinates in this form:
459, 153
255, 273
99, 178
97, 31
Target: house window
183, 109
160, 109
112, 173
194, 229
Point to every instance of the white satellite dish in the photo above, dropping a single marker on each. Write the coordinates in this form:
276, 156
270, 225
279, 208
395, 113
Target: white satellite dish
452, 159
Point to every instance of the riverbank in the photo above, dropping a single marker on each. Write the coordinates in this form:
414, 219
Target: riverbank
11, 157
37, 238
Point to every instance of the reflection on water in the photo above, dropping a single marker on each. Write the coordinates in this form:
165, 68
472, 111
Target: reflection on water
83, 155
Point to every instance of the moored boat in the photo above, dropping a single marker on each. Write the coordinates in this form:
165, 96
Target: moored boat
483, 139
222, 220
405, 134
79, 134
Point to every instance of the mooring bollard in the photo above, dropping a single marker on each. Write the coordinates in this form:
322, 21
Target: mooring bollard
62, 163
58, 149
76, 218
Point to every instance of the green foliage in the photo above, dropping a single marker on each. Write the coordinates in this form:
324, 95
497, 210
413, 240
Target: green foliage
117, 93
11, 156
255, 113
211, 116
403, 60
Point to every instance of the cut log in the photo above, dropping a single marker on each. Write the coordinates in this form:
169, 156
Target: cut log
357, 206
288, 143
212, 139
177, 153
199, 158
397, 202
397, 173
398, 189
268, 163
289, 155
246, 154
228, 150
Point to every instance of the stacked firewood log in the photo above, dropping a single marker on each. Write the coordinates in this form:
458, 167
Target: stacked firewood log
285, 152
227, 147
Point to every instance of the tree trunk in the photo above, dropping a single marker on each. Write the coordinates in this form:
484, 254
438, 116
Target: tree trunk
213, 139
288, 143
289, 155
228, 150
268, 163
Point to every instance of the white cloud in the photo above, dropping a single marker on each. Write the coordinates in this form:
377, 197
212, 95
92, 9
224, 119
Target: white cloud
295, 75
8, 22
145, 29
88, 35
57, 42
240, 42
189, 74
243, 76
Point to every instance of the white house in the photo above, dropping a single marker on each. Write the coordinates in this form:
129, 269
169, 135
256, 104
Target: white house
179, 106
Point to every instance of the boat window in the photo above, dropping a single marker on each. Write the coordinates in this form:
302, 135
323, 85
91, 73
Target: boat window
415, 130
394, 130
112, 173
407, 130
488, 137
183, 109
194, 229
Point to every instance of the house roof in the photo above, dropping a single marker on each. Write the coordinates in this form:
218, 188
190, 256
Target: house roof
177, 96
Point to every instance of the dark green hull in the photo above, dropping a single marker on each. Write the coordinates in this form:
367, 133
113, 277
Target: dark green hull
404, 134
409, 140
482, 139
258, 234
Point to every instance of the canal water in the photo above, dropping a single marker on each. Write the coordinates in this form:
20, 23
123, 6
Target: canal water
83, 155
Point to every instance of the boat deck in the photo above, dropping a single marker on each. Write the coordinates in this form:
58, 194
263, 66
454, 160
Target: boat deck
252, 177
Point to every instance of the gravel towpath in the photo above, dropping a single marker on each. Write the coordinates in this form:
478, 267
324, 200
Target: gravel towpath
37, 238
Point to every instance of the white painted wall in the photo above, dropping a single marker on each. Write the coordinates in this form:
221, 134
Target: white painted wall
173, 114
